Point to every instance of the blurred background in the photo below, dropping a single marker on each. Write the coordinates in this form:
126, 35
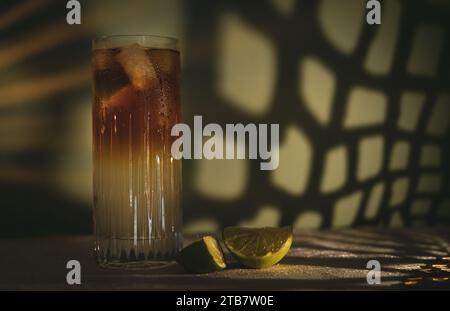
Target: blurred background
363, 110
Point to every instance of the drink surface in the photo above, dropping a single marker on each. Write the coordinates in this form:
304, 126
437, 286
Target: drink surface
137, 183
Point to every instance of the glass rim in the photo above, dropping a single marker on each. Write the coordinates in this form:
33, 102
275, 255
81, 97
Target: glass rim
146, 40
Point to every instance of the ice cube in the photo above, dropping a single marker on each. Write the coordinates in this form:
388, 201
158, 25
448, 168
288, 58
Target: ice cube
122, 98
138, 67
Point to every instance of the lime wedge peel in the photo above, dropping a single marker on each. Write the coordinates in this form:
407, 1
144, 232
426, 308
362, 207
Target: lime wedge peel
258, 247
202, 256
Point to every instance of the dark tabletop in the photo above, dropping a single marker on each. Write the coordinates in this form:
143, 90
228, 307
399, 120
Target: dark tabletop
332, 259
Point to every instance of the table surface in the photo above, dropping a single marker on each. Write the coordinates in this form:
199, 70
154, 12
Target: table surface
331, 259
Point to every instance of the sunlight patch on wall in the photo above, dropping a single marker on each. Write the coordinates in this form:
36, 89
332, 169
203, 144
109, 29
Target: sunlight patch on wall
411, 104
374, 201
246, 66
201, 225
370, 157
152, 17
26, 131
381, 51
335, 170
430, 155
317, 86
440, 116
365, 107
399, 190
267, 216
221, 179
429, 183
399, 156
308, 220
32, 140
23, 92
73, 171
341, 23
20, 11
23, 122
142, 16
426, 51
346, 208
293, 171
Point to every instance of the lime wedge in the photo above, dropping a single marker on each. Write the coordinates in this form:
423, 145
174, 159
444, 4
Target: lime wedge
258, 247
202, 256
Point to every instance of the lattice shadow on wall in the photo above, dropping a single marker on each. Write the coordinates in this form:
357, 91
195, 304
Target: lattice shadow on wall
400, 196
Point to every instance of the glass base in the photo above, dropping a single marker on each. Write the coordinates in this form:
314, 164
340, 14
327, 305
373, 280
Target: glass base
137, 265
137, 253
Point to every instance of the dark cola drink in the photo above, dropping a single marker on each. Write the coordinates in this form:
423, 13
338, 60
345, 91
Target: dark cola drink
137, 182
